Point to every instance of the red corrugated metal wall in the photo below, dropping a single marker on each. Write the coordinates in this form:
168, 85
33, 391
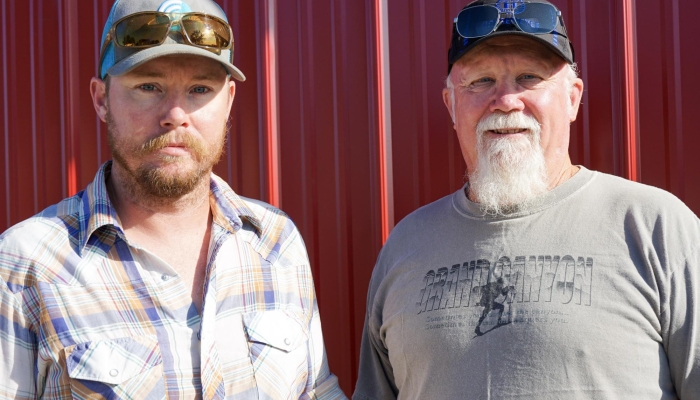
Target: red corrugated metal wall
341, 121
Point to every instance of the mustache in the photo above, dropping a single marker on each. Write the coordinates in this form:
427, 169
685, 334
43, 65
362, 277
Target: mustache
511, 120
185, 139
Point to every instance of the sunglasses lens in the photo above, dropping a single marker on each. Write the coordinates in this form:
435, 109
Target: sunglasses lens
203, 30
536, 17
142, 30
477, 21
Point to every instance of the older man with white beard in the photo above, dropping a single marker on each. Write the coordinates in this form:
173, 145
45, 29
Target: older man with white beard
538, 279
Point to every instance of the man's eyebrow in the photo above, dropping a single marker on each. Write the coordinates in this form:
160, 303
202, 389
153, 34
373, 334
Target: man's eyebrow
206, 77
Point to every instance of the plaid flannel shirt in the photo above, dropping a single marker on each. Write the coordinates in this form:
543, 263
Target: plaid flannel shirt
86, 314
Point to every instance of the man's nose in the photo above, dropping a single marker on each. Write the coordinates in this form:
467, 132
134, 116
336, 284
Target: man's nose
507, 98
174, 113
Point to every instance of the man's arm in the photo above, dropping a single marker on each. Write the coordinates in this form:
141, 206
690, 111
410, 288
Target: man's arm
375, 380
681, 327
18, 349
322, 384
376, 377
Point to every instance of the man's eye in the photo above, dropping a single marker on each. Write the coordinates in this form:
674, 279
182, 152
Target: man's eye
148, 87
481, 82
200, 89
529, 77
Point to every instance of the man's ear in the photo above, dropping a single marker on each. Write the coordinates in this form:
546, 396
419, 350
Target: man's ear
448, 98
98, 92
231, 92
575, 95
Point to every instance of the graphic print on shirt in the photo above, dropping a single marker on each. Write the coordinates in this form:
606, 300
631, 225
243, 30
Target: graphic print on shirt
494, 287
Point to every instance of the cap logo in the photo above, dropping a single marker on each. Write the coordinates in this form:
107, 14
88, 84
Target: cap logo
508, 5
174, 6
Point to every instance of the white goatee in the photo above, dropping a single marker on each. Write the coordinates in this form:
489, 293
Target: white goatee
511, 170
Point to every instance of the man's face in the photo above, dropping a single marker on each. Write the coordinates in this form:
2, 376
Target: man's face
166, 122
514, 84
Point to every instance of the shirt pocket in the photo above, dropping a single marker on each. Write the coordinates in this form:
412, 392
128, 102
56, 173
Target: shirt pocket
278, 344
122, 368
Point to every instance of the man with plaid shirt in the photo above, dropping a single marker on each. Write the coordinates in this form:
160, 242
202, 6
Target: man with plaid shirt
157, 280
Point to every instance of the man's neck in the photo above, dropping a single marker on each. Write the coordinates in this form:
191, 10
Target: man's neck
561, 173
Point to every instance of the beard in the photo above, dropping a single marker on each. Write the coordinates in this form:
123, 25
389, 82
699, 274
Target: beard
151, 180
511, 170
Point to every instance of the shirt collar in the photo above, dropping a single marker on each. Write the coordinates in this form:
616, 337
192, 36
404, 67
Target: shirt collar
229, 209
97, 210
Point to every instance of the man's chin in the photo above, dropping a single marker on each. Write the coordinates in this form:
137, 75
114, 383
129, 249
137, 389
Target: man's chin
162, 183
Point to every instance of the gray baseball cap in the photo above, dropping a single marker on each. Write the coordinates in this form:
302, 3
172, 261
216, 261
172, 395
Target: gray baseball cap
118, 60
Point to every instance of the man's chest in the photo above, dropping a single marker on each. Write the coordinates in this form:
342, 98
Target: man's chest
526, 317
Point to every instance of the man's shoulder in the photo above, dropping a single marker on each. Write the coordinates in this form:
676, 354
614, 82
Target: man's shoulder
60, 219
24, 246
624, 193
275, 233
426, 215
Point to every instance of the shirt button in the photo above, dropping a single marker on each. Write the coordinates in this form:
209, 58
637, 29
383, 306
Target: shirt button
164, 277
287, 341
113, 372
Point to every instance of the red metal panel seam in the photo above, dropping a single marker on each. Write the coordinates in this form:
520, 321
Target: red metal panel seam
425, 141
631, 93
386, 180
6, 113
272, 103
62, 105
72, 83
582, 50
343, 214
677, 174
67, 70
32, 84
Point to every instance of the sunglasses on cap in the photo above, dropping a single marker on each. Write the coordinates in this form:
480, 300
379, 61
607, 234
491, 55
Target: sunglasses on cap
482, 20
151, 28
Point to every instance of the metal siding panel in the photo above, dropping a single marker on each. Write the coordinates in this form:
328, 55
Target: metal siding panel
19, 113
243, 164
49, 152
427, 161
328, 136
5, 200
668, 83
685, 176
656, 61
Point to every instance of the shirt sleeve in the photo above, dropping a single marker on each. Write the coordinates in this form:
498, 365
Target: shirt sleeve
322, 384
376, 376
681, 327
18, 349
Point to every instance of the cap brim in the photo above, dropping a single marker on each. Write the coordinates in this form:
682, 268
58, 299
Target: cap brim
542, 38
168, 49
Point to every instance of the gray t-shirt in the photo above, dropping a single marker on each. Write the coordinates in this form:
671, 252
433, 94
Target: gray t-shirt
592, 294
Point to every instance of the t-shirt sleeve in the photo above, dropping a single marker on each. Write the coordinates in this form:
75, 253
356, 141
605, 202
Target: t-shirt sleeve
681, 327
376, 377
